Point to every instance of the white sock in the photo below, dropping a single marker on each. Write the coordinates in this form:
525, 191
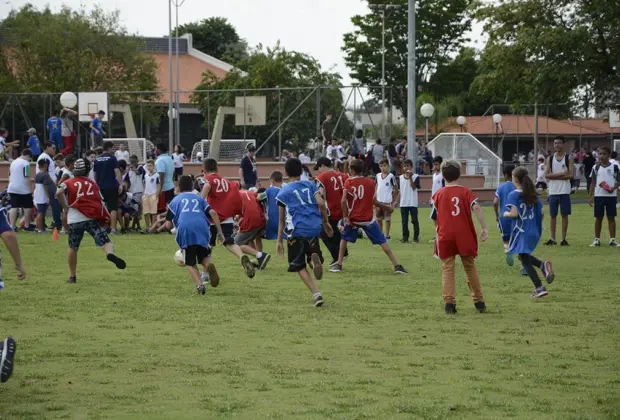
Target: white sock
317, 294
612, 240
204, 276
597, 239
259, 255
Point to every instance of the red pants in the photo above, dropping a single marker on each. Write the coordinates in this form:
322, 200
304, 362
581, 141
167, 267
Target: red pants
68, 142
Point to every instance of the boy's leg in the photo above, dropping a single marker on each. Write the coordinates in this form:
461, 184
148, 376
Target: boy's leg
229, 243
386, 248
404, 214
416, 223
210, 273
102, 240
195, 275
343, 247
248, 250
612, 227
307, 279
75, 236
528, 264
297, 255
388, 224
13, 216
448, 280
259, 243
473, 281
598, 226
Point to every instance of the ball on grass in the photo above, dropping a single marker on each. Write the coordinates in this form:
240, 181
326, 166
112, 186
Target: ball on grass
179, 258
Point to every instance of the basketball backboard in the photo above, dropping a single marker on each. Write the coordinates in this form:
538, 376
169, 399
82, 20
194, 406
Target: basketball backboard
255, 106
614, 118
91, 103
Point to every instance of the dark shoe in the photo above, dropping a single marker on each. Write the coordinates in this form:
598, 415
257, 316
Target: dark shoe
451, 308
262, 261
335, 268
551, 242
416, 240
318, 300
214, 277
547, 270
539, 293
72, 280
403, 241
9, 346
247, 266
201, 290
317, 266
399, 269
564, 243
481, 307
120, 264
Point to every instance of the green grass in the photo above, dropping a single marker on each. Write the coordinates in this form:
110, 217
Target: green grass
140, 344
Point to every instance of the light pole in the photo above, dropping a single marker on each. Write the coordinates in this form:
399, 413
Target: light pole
170, 87
383, 8
427, 111
412, 144
461, 122
497, 119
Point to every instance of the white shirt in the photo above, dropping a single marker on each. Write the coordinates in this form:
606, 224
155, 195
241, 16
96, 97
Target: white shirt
437, 183
385, 187
67, 126
150, 183
52, 166
408, 196
303, 158
340, 151
605, 174
540, 174
122, 155
130, 202
136, 182
19, 177
332, 152
559, 186
178, 159
67, 173
2, 144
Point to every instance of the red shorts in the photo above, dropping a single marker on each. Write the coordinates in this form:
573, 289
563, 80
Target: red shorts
462, 246
164, 198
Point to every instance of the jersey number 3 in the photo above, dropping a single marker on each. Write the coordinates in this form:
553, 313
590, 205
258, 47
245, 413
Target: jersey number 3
457, 209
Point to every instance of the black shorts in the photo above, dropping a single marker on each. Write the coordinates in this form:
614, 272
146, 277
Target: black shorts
94, 229
178, 172
21, 201
195, 254
541, 185
227, 230
300, 250
110, 198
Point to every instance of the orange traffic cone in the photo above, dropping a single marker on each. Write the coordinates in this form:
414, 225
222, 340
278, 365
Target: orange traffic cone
55, 235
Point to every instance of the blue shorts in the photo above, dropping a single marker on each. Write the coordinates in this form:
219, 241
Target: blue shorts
372, 230
605, 205
4, 222
562, 201
505, 227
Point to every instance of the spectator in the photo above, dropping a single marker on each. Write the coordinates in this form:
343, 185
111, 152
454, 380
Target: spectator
303, 158
48, 152
358, 145
54, 128
68, 133
96, 129
20, 189
401, 148
165, 168
377, 155
122, 153
178, 157
326, 131
34, 144
588, 163
392, 155
108, 177
248, 173
559, 172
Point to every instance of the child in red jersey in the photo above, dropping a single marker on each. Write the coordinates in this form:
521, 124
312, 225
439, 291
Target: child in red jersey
456, 235
358, 199
252, 227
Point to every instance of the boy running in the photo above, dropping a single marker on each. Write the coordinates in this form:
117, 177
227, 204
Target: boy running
604, 196
303, 214
273, 212
252, 227
357, 203
86, 213
499, 202
387, 189
456, 235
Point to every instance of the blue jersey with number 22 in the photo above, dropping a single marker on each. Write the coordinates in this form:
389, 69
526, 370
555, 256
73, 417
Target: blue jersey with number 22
189, 215
303, 217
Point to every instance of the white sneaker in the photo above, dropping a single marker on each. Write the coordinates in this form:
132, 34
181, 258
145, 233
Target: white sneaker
614, 244
596, 242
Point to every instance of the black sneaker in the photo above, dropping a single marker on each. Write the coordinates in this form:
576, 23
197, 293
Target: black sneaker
481, 307
317, 267
214, 277
335, 268
450, 308
262, 261
318, 300
72, 280
564, 243
551, 242
248, 266
387, 238
9, 346
201, 290
403, 241
399, 269
120, 264
416, 240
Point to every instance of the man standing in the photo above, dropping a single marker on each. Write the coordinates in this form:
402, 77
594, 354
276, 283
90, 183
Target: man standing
326, 131
48, 154
121, 153
54, 128
20, 189
248, 174
68, 135
559, 172
96, 129
164, 166
108, 177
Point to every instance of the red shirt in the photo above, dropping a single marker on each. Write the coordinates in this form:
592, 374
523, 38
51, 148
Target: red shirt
360, 198
252, 212
333, 184
456, 234
83, 195
223, 196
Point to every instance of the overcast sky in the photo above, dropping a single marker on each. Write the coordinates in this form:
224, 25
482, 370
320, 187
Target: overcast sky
314, 27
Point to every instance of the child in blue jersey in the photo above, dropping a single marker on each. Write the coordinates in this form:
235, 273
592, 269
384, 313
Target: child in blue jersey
524, 205
54, 127
190, 213
499, 202
303, 215
272, 211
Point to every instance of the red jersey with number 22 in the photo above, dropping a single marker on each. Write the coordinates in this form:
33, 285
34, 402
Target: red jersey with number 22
360, 199
83, 195
224, 196
333, 184
456, 234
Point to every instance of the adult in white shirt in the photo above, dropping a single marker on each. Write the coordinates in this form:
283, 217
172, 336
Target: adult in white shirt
604, 196
559, 172
20, 188
48, 154
178, 157
121, 153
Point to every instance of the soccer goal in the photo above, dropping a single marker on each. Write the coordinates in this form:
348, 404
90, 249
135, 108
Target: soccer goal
230, 150
138, 147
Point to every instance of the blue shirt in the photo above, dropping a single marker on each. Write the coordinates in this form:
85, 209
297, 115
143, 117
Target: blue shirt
165, 164
502, 193
34, 145
273, 212
105, 173
54, 126
303, 217
189, 214
97, 126
527, 228
249, 172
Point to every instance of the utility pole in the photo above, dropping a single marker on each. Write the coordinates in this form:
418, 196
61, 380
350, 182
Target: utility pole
412, 145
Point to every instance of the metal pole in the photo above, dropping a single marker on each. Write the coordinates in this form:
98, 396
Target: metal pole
536, 131
178, 113
279, 123
383, 75
426, 133
412, 145
245, 113
208, 115
318, 124
170, 88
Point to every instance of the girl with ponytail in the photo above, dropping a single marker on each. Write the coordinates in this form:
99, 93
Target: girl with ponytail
525, 207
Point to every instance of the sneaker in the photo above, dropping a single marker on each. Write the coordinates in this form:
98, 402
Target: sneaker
510, 259
596, 242
481, 307
614, 244
387, 238
564, 243
539, 293
6, 359
403, 241
399, 269
551, 242
262, 261
120, 263
450, 308
334, 262
247, 266
335, 268
317, 267
547, 270
112, 232
201, 290
72, 280
1, 285
416, 240
214, 277
318, 300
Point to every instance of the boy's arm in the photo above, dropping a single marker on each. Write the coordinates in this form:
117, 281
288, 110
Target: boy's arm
548, 174
345, 206
496, 207
205, 190
571, 169
484, 234
218, 226
281, 221
395, 194
60, 196
592, 187
323, 208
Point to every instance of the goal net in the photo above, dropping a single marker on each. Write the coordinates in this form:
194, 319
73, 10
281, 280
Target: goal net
230, 150
617, 146
138, 147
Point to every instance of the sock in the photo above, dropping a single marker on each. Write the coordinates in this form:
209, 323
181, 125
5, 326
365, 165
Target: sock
317, 294
612, 240
259, 255
597, 239
204, 276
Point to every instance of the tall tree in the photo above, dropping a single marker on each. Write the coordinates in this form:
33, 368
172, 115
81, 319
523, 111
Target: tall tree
440, 30
217, 37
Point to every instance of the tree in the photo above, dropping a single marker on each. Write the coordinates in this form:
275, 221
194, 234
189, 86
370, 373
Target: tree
440, 30
270, 68
217, 37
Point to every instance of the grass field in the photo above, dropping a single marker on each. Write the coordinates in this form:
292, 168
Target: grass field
140, 344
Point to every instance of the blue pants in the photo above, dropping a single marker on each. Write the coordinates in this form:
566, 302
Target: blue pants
404, 213
56, 213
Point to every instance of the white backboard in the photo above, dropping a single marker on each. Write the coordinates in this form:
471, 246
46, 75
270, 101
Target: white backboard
614, 119
92, 103
256, 107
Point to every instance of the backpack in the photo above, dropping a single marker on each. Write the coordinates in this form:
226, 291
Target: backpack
566, 161
598, 166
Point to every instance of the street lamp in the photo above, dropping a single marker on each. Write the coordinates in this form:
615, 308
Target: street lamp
427, 111
497, 119
385, 10
461, 121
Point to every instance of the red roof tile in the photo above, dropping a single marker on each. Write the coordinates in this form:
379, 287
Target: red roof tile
520, 124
